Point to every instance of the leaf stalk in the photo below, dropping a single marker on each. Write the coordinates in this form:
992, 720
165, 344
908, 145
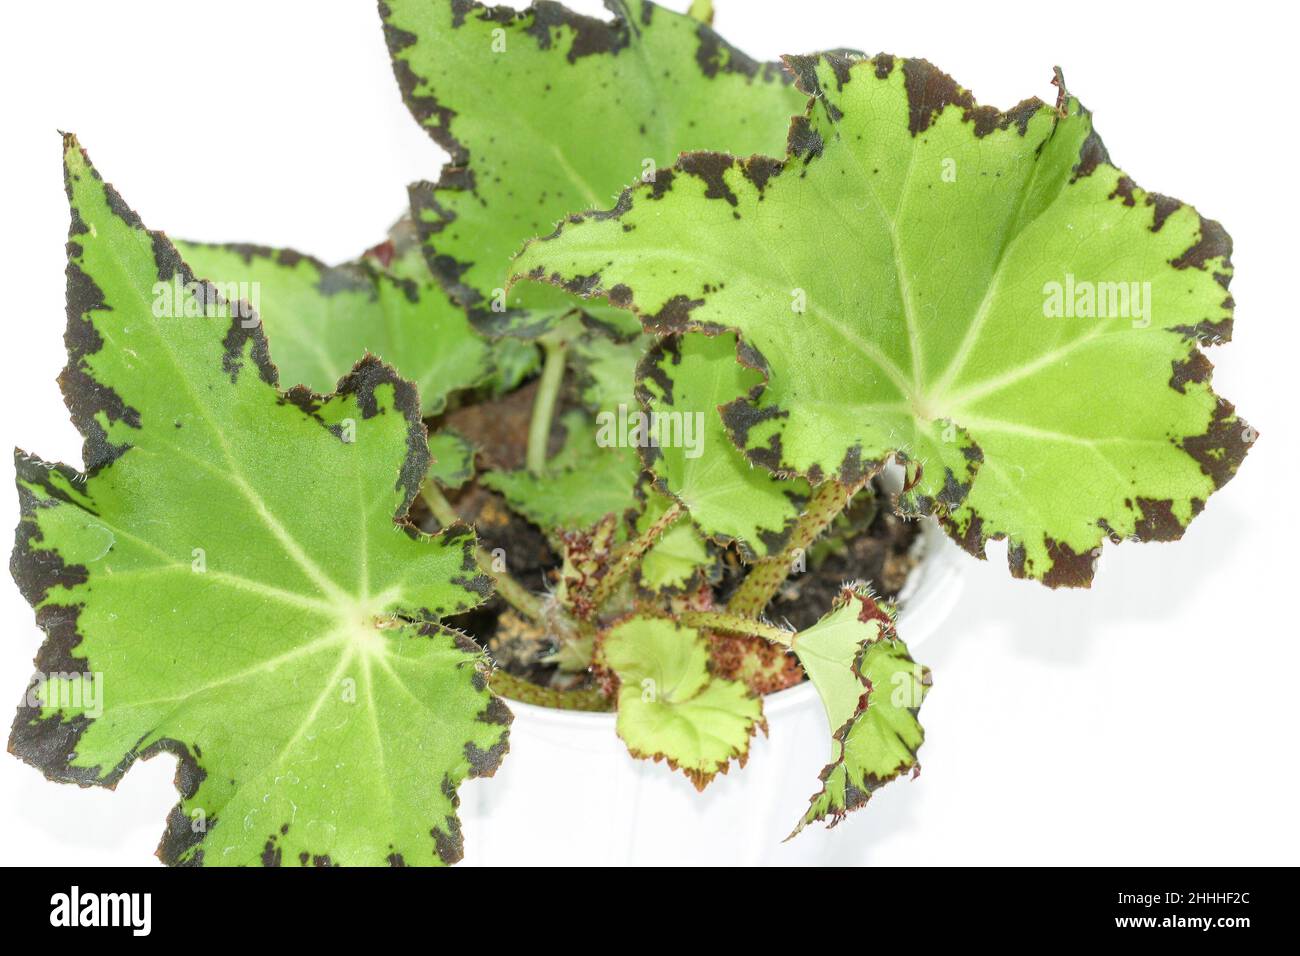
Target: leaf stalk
510, 687
735, 624
633, 553
766, 576
544, 402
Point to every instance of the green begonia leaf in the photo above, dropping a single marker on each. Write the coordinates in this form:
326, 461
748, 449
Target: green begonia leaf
545, 112
582, 484
979, 293
321, 319
607, 370
680, 556
513, 360
453, 458
670, 707
872, 691
683, 383
235, 577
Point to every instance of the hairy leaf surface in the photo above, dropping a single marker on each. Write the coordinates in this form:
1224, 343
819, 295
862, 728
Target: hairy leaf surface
872, 691
911, 279
670, 707
235, 576
545, 112
322, 319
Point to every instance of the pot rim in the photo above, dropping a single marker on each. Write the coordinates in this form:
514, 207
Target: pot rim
925, 601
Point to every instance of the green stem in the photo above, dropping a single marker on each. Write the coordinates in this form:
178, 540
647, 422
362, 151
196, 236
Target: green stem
632, 554
514, 593
548, 392
515, 688
735, 624
767, 575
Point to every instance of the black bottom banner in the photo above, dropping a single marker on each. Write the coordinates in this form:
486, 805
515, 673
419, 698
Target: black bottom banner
1223, 906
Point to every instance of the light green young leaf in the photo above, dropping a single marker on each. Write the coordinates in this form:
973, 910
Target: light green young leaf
545, 112
582, 484
682, 383
513, 360
670, 707
872, 691
897, 279
606, 370
322, 319
235, 579
679, 558
453, 458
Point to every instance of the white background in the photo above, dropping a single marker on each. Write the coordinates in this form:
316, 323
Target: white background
1150, 720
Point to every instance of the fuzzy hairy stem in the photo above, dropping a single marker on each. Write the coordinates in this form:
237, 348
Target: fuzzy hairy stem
767, 575
548, 393
515, 688
511, 591
735, 624
632, 554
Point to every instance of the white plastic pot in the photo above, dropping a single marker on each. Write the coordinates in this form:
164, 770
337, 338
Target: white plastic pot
569, 793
